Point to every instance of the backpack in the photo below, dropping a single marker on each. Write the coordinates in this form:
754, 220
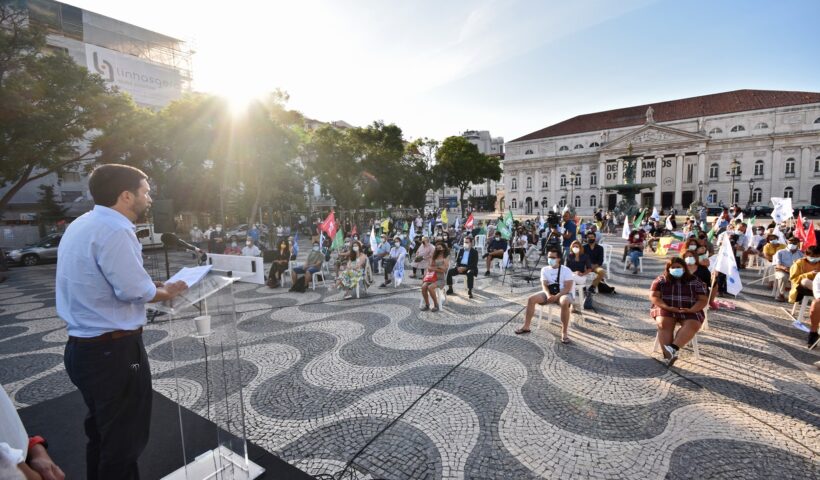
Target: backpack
604, 288
588, 301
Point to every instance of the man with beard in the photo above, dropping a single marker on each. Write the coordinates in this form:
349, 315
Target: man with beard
101, 290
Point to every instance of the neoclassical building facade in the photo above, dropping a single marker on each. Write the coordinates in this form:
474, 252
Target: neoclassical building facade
743, 146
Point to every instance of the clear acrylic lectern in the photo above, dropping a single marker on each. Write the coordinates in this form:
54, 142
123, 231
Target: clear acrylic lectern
208, 377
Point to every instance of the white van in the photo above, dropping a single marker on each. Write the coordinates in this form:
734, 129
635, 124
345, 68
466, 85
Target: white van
147, 236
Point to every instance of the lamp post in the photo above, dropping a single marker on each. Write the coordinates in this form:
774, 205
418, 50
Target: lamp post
751, 189
572, 177
700, 192
734, 171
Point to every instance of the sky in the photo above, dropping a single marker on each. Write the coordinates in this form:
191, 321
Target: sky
437, 68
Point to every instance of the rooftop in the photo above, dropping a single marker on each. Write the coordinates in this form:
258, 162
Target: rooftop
694, 107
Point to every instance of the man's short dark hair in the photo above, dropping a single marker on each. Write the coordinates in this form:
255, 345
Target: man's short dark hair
107, 182
555, 251
813, 250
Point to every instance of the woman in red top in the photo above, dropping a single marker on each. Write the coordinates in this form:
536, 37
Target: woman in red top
677, 296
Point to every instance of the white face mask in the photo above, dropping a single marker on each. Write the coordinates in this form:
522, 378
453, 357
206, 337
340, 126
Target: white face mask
467, 245
316, 248
397, 244
575, 250
233, 244
690, 260
355, 248
792, 247
552, 262
218, 229
249, 243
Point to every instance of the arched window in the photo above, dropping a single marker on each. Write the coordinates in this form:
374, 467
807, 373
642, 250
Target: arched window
563, 202
514, 184
735, 196
577, 200
593, 178
738, 128
577, 180
761, 126
713, 170
757, 195
514, 203
529, 183
594, 144
563, 148
788, 192
535, 204
593, 201
544, 183
544, 202
759, 168
528, 152
578, 147
712, 197
817, 165
715, 131
563, 180
790, 166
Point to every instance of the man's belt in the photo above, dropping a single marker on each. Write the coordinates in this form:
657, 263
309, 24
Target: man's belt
116, 334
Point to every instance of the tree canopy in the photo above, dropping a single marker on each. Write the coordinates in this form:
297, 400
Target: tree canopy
459, 163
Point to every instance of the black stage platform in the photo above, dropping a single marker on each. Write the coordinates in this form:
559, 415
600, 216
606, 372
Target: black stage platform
60, 421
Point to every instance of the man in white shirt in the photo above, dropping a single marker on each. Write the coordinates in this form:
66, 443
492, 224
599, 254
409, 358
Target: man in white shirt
557, 287
782, 261
250, 250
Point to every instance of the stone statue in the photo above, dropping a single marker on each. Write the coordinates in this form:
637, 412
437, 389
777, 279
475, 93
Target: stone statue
629, 171
701, 124
650, 115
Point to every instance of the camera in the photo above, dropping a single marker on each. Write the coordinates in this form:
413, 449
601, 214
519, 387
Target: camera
553, 219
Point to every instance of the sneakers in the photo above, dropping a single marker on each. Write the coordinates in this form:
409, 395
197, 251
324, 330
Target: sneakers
670, 354
450, 291
470, 293
487, 273
385, 284
813, 336
434, 309
425, 308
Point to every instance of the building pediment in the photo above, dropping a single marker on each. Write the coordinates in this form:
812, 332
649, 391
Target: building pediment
652, 134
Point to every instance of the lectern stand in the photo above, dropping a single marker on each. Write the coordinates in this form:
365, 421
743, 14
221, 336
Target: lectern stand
208, 377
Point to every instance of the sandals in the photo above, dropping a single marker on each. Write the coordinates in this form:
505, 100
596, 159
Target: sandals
565, 340
519, 331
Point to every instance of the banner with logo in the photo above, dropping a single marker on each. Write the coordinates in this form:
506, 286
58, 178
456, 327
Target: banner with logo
147, 83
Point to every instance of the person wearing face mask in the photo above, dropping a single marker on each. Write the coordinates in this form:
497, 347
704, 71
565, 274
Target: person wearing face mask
495, 249
281, 258
233, 247
434, 278
293, 245
782, 263
696, 268
356, 261
422, 257
772, 246
312, 265
635, 246
557, 286
595, 253
382, 251
216, 244
677, 296
397, 253
466, 264
802, 273
579, 263
250, 250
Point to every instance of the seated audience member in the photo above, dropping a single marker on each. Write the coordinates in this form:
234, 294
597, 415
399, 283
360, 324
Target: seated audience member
21, 456
293, 247
233, 247
281, 258
772, 245
782, 263
519, 245
495, 249
802, 274
434, 278
677, 297
312, 265
353, 270
466, 264
250, 249
397, 254
635, 245
382, 251
595, 252
814, 312
422, 257
579, 263
697, 269
557, 286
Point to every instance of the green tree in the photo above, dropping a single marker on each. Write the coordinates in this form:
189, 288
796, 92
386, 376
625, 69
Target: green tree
459, 163
50, 106
50, 210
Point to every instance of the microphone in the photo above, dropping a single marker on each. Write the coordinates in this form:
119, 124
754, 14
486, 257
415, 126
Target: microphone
171, 240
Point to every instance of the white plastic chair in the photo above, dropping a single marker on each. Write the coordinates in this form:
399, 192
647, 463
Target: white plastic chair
768, 268
481, 243
321, 271
607, 257
640, 264
286, 274
804, 305
364, 279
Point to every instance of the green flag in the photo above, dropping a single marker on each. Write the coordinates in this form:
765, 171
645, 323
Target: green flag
637, 222
503, 230
711, 234
750, 223
339, 241
509, 219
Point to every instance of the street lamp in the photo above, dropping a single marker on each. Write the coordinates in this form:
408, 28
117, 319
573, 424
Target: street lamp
734, 171
572, 177
751, 188
700, 192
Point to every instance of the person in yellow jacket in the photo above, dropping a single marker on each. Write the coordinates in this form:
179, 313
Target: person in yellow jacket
802, 274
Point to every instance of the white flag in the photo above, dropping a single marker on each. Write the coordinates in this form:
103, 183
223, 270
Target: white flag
373, 245
412, 233
726, 264
398, 270
505, 260
779, 234
739, 216
627, 230
655, 215
782, 209
540, 222
669, 225
458, 219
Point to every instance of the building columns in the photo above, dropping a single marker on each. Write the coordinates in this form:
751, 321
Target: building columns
701, 168
658, 180
679, 182
638, 178
620, 180
777, 173
804, 172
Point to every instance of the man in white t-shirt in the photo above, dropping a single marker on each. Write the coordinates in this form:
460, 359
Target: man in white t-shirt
560, 278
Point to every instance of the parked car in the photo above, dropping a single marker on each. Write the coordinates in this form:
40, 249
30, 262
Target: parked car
810, 211
36, 253
758, 211
241, 231
714, 211
147, 236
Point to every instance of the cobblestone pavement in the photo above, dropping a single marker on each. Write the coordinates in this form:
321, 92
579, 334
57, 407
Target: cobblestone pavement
388, 391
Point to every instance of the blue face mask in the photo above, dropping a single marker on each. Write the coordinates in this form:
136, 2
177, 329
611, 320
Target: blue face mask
552, 262
676, 272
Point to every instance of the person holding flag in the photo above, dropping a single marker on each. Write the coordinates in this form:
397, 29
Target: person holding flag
677, 296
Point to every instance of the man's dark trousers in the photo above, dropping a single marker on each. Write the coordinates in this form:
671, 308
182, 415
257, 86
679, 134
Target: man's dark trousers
454, 271
115, 380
